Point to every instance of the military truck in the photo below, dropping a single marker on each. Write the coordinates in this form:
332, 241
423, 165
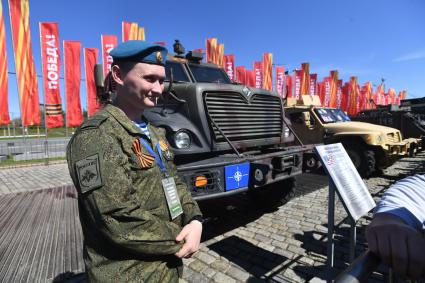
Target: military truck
226, 138
370, 147
408, 117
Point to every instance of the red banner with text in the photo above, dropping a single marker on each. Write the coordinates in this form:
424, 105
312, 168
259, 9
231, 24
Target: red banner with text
339, 94
313, 84
50, 56
327, 84
258, 71
4, 109
298, 79
229, 66
72, 50
24, 62
108, 43
90, 61
280, 80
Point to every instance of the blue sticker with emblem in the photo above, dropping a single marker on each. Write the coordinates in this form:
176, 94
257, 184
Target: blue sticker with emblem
237, 176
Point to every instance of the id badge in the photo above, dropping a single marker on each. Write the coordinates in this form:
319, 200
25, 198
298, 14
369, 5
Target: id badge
173, 201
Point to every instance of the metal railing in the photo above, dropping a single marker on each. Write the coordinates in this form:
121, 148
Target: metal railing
15, 152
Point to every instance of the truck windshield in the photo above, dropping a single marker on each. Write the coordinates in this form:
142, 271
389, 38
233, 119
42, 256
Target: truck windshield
179, 74
205, 74
330, 115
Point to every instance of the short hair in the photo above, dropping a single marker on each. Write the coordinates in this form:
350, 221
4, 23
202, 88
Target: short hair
105, 96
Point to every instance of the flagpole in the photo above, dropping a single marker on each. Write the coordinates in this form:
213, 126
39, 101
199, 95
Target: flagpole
46, 148
66, 104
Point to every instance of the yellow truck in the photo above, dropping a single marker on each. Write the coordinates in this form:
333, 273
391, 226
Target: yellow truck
370, 147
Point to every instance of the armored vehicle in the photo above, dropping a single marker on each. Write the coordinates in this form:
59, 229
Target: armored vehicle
226, 138
408, 117
370, 147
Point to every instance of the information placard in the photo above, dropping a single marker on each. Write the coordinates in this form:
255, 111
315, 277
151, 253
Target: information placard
349, 184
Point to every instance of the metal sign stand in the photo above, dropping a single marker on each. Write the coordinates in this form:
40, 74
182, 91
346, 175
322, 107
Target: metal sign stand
351, 190
331, 233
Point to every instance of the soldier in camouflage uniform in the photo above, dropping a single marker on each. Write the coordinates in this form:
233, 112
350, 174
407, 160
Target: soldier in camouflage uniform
138, 218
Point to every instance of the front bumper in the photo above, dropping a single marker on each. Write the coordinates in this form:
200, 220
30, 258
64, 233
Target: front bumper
265, 168
405, 147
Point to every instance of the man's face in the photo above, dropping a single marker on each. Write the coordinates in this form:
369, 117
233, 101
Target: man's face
142, 85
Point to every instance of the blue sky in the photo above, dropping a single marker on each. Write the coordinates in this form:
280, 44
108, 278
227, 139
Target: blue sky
365, 38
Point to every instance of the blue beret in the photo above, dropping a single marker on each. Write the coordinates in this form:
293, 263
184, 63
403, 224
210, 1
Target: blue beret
140, 51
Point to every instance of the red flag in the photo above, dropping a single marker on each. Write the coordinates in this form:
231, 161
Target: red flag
258, 71
391, 96
90, 60
241, 75
4, 110
321, 92
211, 50
333, 89
229, 66
108, 43
298, 79
24, 62
130, 31
288, 84
327, 84
74, 115
366, 96
141, 33
305, 78
339, 95
313, 84
220, 55
280, 80
401, 96
380, 95
345, 97
353, 97
250, 78
50, 56
267, 71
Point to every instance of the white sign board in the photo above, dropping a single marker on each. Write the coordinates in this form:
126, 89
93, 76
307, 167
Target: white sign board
347, 180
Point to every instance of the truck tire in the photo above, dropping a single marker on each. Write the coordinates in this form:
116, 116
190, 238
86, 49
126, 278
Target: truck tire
362, 158
274, 194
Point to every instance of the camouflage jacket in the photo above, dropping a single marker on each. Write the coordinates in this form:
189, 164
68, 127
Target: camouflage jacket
128, 232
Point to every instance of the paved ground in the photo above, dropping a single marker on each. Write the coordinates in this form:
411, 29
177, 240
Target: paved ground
243, 243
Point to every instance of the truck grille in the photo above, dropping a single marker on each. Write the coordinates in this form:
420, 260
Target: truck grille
239, 119
393, 137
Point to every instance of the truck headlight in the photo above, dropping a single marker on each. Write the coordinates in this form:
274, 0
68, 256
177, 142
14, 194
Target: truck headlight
182, 139
286, 132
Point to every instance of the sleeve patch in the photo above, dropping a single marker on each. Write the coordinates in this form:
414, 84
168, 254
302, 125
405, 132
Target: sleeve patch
88, 171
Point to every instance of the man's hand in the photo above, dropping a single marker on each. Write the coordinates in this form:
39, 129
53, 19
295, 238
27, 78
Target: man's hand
191, 234
398, 245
